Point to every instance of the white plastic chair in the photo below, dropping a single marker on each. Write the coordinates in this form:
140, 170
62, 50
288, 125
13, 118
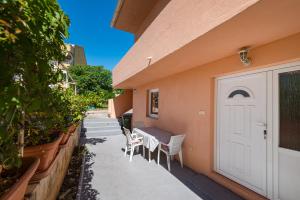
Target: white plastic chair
133, 141
171, 149
140, 124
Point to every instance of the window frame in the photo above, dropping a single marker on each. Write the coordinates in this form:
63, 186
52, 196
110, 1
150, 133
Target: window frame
284, 136
149, 112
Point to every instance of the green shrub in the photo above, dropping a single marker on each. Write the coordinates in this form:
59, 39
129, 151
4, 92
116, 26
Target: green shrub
78, 106
96, 100
94, 84
31, 36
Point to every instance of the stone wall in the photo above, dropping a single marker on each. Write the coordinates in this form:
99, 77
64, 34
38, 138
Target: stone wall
48, 187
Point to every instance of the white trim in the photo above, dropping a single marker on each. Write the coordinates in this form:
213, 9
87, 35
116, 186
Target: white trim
243, 183
217, 127
269, 129
272, 68
149, 103
216, 142
154, 90
276, 148
289, 152
275, 138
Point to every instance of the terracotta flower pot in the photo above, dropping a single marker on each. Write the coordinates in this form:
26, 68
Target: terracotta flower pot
46, 153
72, 128
17, 191
69, 132
65, 138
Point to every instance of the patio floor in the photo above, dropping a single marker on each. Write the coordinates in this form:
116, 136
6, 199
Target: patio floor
108, 175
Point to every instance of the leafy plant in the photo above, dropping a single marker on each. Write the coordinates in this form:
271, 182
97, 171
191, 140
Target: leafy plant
78, 106
31, 36
96, 100
8, 153
94, 84
91, 78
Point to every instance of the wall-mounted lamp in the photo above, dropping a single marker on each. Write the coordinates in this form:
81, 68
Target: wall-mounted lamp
244, 56
149, 60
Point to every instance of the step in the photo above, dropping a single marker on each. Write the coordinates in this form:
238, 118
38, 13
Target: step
96, 116
96, 134
103, 128
100, 124
88, 120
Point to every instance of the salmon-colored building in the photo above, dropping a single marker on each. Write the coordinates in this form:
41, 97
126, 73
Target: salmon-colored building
226, 74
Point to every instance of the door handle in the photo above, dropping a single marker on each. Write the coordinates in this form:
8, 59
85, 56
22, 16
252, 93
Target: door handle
265, 134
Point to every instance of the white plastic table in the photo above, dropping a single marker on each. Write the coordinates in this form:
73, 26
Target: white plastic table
152, 137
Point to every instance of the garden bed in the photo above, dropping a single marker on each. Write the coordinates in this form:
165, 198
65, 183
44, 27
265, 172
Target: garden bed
69, 188
48, 187
9, 178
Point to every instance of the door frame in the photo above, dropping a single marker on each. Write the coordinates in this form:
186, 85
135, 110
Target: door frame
276, 147
272, 158
263, 192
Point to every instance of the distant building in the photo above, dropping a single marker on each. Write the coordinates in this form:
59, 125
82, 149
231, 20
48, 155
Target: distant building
75, 56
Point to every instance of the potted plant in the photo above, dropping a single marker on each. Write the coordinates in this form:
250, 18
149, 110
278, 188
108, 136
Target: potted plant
14, 181
63, 119
46, 125
31, 37
15, 171
40, 140
76, 112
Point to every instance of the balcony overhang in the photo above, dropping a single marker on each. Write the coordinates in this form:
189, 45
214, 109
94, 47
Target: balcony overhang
259, 23
130, 14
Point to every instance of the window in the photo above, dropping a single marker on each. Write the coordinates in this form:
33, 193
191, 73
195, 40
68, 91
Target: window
153, 96
289, 90
239, 92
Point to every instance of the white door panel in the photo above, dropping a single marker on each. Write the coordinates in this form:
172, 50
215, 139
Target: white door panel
286, 128
241, 120
269, 165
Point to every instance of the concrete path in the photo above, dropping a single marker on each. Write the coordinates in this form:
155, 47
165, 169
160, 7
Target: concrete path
108, 175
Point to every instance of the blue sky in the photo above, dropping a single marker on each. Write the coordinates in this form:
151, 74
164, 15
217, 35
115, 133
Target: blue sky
90, 28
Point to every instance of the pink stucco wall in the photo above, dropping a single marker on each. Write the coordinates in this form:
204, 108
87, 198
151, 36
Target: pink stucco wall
159, 6
177, 24
184, 36
183, 95
120, 104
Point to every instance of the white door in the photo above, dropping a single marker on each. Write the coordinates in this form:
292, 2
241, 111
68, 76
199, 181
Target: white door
241, 130
286, 126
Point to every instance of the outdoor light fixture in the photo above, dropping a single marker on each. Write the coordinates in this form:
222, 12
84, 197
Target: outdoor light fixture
149, 60
244, 56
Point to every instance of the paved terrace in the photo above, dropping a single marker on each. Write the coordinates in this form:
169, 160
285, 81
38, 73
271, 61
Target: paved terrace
108, 175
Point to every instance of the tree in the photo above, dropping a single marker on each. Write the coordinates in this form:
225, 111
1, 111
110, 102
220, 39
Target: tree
94, 84
91, 78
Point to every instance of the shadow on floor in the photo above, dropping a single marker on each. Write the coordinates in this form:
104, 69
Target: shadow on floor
87, 191
200, 184
92, 141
